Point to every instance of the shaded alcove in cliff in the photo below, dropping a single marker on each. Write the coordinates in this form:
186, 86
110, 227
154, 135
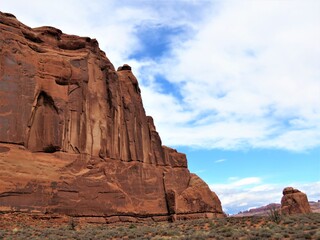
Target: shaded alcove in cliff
45, 130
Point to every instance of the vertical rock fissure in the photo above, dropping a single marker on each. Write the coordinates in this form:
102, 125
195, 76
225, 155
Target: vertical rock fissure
165, 192
170, 198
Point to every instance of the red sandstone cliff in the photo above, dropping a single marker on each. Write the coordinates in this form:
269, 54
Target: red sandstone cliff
75, 139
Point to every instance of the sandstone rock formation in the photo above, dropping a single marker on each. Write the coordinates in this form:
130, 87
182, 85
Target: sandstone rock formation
75, 139
294, 201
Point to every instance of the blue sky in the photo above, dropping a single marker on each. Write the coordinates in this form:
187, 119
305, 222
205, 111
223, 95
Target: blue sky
233, 84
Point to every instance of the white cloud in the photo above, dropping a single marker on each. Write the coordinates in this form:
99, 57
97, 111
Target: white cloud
251, 78
243, 194
248, 72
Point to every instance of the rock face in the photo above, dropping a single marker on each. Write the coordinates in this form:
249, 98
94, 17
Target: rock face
66, 110
294, 202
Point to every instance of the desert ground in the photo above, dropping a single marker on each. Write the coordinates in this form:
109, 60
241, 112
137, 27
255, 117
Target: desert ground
26, 226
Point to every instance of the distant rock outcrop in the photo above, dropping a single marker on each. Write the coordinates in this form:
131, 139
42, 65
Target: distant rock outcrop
259, 211
294, 202
75, 138
315, 206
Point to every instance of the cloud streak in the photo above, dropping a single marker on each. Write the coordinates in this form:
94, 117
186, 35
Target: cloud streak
220, 160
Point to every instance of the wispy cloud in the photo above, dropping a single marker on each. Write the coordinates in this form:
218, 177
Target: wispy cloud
235, 182
220, 160
200, 171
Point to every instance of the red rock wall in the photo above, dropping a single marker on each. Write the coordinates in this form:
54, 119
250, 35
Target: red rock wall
59, 92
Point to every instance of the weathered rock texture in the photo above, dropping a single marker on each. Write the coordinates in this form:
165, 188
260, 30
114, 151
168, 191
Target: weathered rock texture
89, 148
294, 202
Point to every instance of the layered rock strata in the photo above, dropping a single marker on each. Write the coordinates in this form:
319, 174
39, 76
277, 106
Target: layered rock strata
66, 110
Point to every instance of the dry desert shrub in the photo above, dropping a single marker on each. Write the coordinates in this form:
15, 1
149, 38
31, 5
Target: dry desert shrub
274, 215
290, 227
